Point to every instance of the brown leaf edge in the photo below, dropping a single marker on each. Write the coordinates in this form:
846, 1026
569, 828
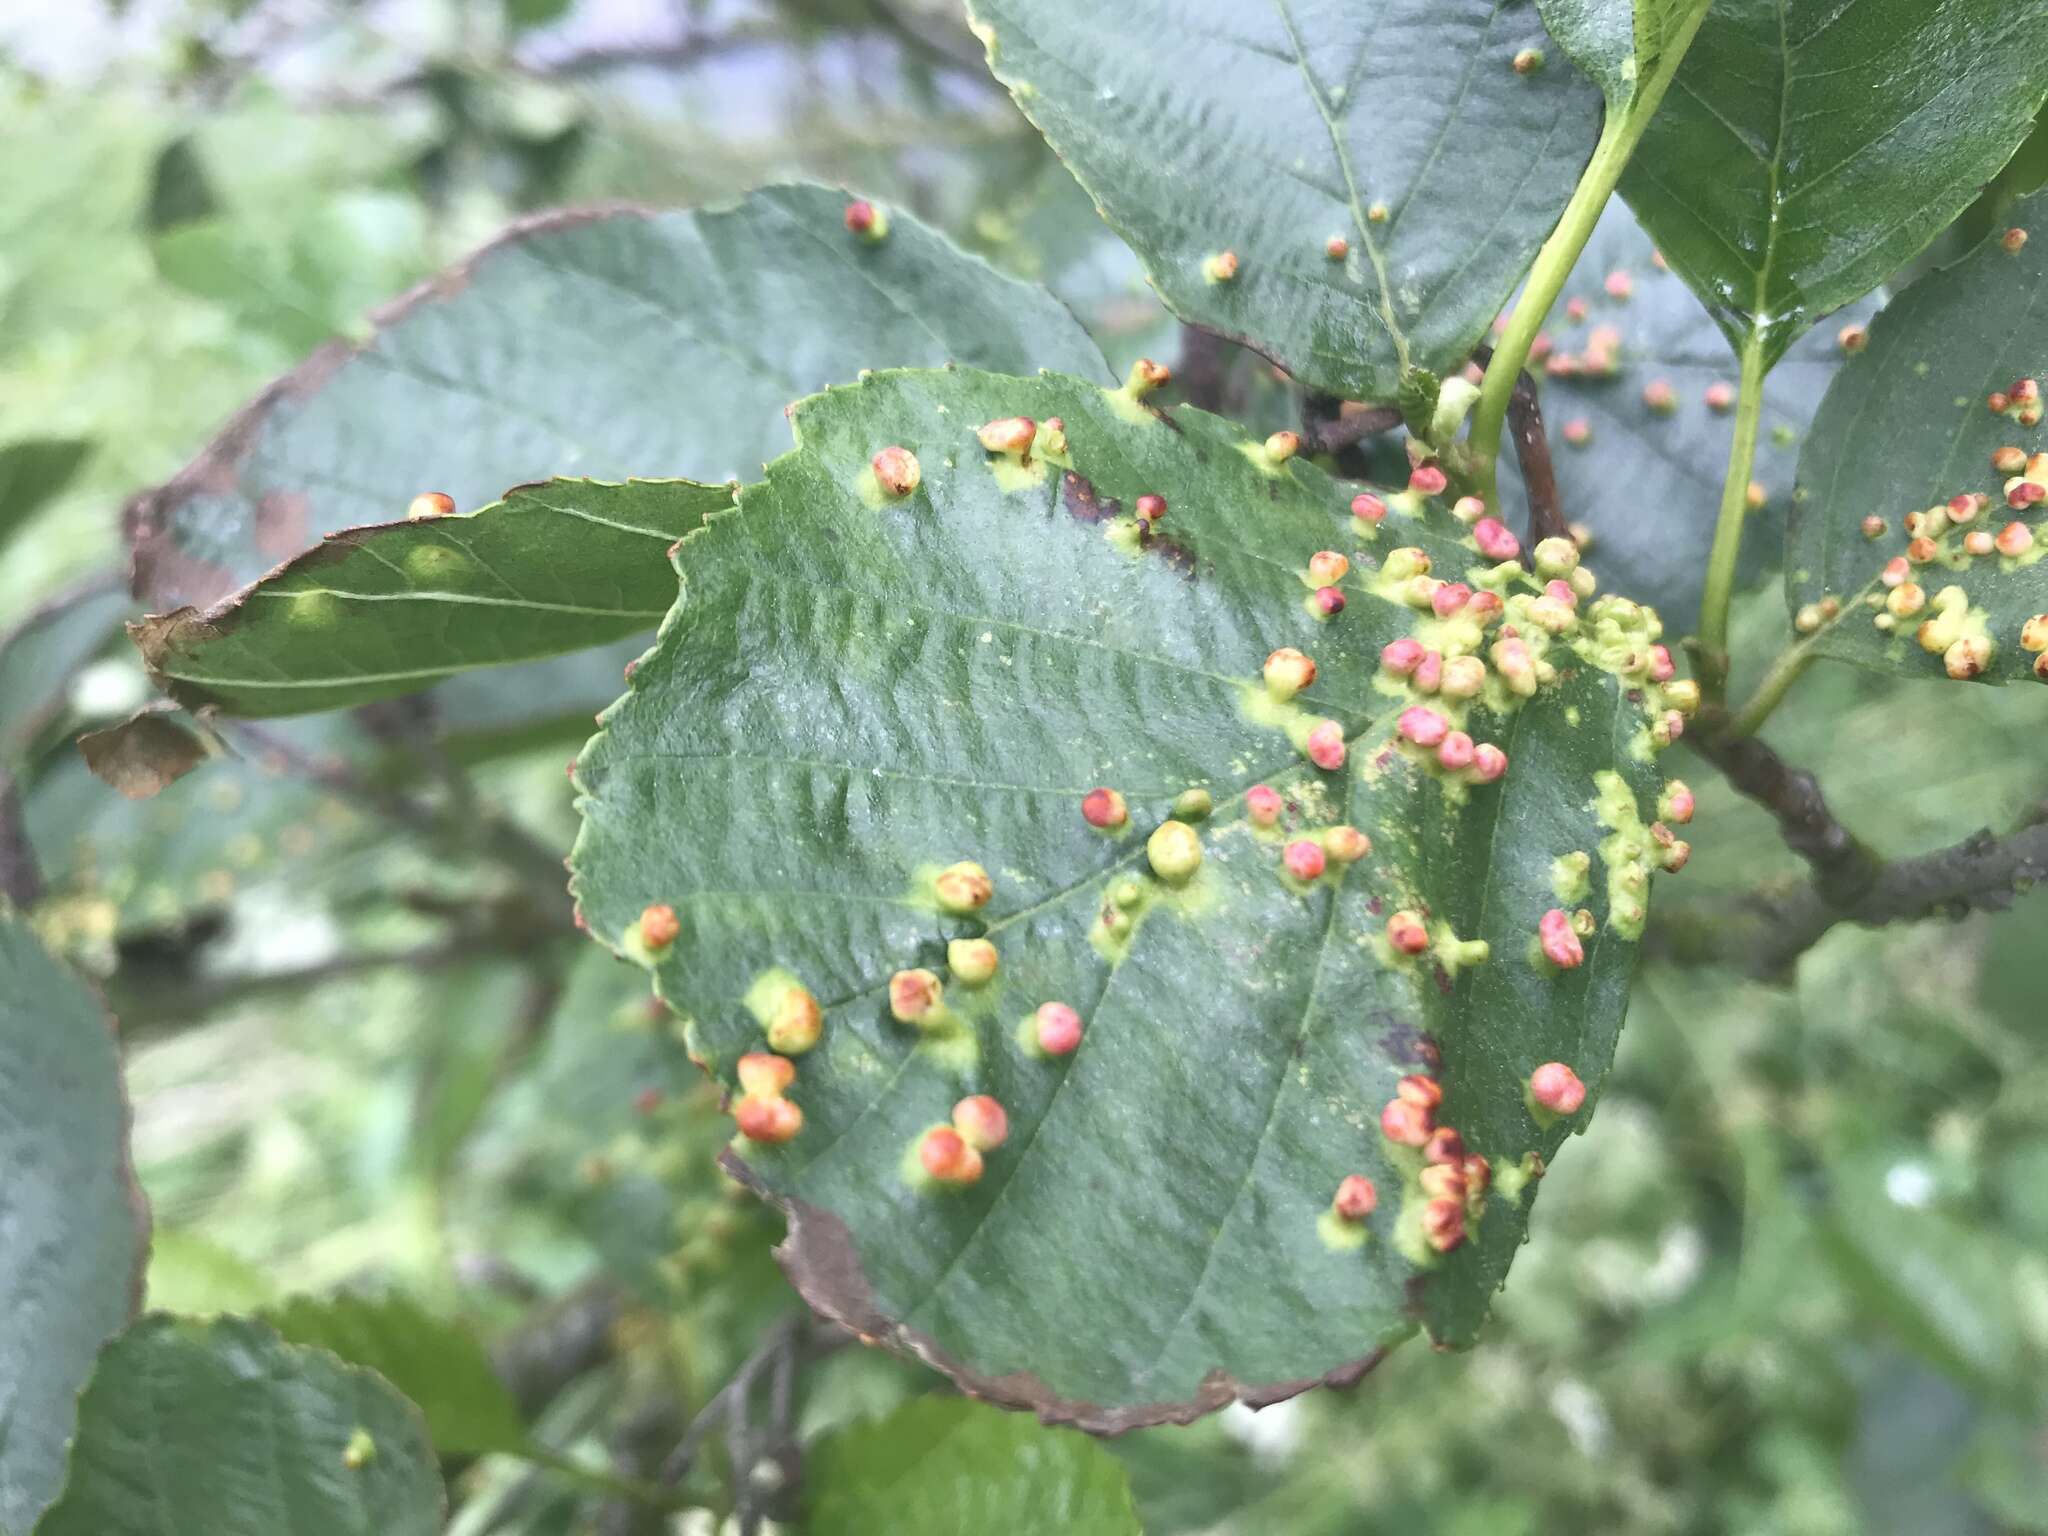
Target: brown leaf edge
159, 572
145, 754
819, 1258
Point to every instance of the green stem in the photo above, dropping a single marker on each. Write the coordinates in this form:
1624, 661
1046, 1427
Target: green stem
599, 1481
1619, 135
1785, 671
1719, 591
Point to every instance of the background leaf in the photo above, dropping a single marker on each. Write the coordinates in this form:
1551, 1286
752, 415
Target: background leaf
1808, 148
32, 472
75, 1224
1618, 42
901, 685
375, 612
1208, 126
1905, 428
435, 1362
1648, 482
222, 1429
941, 1465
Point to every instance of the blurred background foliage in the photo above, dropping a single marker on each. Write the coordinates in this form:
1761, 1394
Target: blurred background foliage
1794, 1280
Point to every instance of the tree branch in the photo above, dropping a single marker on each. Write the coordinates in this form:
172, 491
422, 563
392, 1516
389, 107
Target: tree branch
1844, 868
1203, 368
1331, 426
1532, 453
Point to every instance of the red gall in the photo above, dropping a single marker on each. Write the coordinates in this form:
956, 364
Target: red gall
1282, 446
1560, 944
1660, 398
1895, 571
1336, 247
981, 1122
1326, 745
1575, 310
1873, 527
1578, 432
1683, 695
897, 470
1720, 396
1478, 1174
1326, 567
1979, 541
430, 504
1151, 508
1494, 540
1444, 1146
797, 1022
1527, 61
1443, 1181
1965, 508
1422, 725
963, 887
1469, 509
659, 926
1262, 804
2034, 633
1443, 1224
1998, 402
1967, 658
2014, 240
1405, 931
2015, 539
1418, 1089
864, 219
1329, 601
1147, 376
1448, 597
1455, 752
1488, 762
1104, 808
1405, 1124
915, 996
1401, 657
1304, 860
1221, 267
1675, 855
1906, 599
1619, 284
2022, 494
770, 1120
1662, 668
1463, 677
2041, 667
1428, 480
947, 1157
1355, 1198
1429, 672
1011, 434
1676, 802
1368, 508
1376, 214
1556, 1087
1852, 339
1756, 496
1058, 1029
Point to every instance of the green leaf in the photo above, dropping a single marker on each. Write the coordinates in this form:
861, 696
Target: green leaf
375, 612
223, 1429
856, 692
942, 1465
76, 1225
1211, 126
1809, 148
40, 656
616, 344
1617, 42
33, 472
436, 1363
1647, 481
1904, 428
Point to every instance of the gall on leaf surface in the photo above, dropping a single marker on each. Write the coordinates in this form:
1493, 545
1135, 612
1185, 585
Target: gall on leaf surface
1905, 429
1208, 127
1809, 148
222, 1427
1647, 481
858, 692
75, 1223
601, 343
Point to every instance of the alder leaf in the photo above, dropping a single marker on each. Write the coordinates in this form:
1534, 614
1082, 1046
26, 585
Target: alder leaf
857, 690
74, 1228
371, 613
1904, 430
939, 1466
220, 1428
1398, 126
1809, 148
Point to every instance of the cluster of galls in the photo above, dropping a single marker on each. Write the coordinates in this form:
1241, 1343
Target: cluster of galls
2022, 403
1952, 628
1453, 1181
952, 1154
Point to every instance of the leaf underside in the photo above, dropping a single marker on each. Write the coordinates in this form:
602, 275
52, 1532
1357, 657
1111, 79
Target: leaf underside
1905, 428
1266, 129
853, 692
222, 1427
1809, 148
376, 612
1648, 481
76, 1228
